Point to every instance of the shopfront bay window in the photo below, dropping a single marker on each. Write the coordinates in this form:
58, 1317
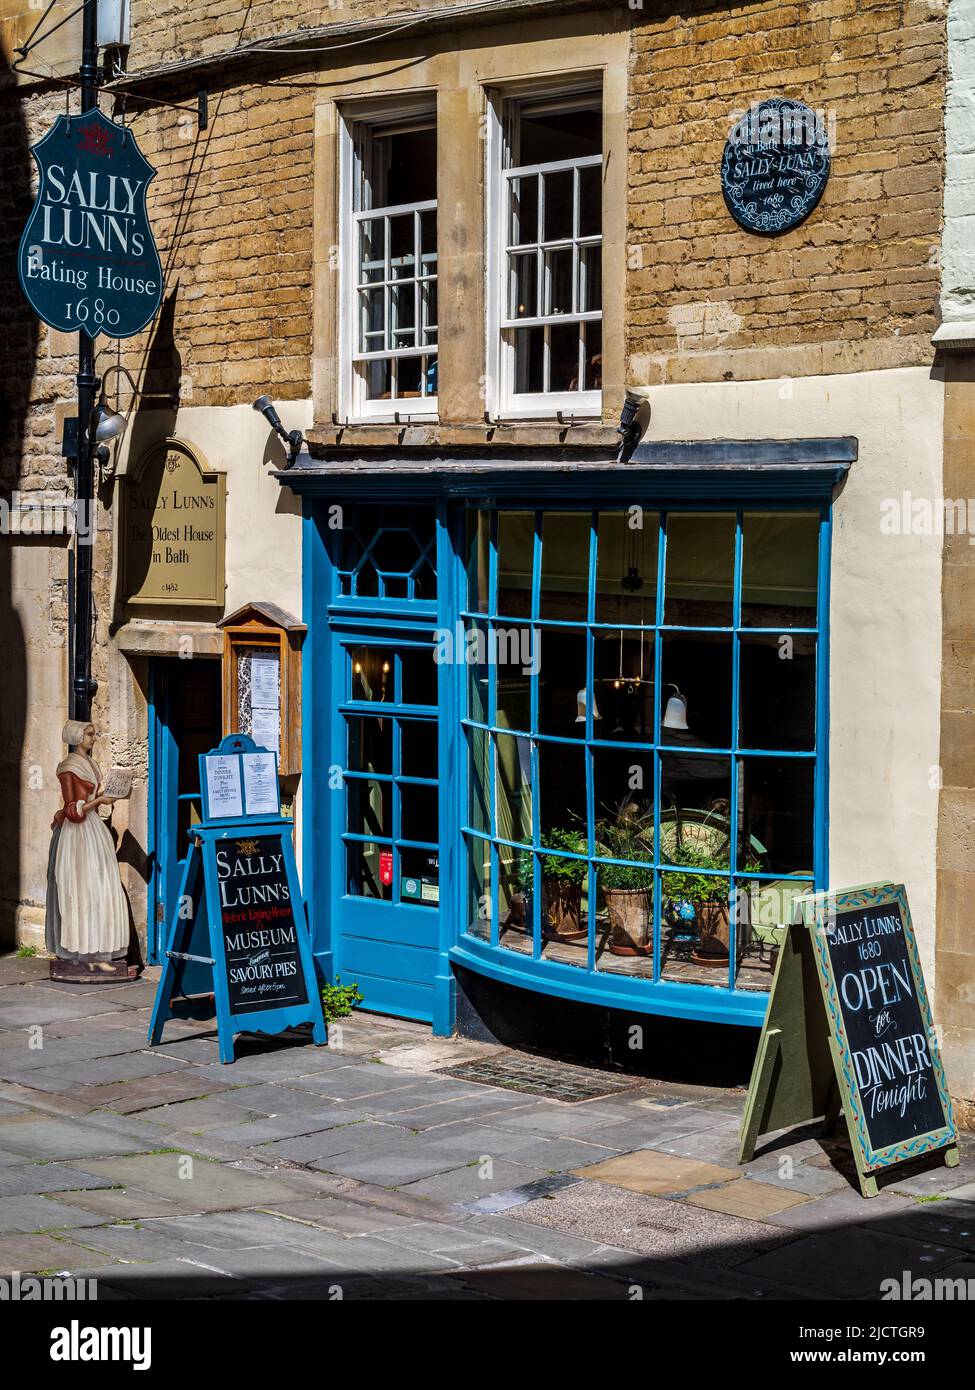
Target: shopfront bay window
645, 728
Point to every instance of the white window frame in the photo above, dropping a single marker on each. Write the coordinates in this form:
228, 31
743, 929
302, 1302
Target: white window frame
356, 208
503, 113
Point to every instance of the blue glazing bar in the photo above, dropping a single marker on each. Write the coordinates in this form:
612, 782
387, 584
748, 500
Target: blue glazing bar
538, 905
658, 652
591, 885
736, 765
494, 902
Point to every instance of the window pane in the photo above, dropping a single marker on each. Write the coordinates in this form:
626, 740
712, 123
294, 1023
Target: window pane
624, 925
418, 813
558, 282
513, 681
402, 302
564, 924
403, 166
370, 807
420, 877
370, 745
524, 285
372, 250
562, 684
624, 685
418, 751
590, 279
419, 676
562, 796
558, 194
623, 791
700, 569
695, 695
548, 131
592, 354
777, 692
513, 790
523, 228
370, 870
695, 803
695, 927
515, 899
475, 657
372, 319
529, 370
479, 889
626, 588
428, 241
479, 559
516, 541
565, 566
428, 310
591, 201
564, 357
379, 383
779, 567
776, 799
479, 781
763, 911
372, 673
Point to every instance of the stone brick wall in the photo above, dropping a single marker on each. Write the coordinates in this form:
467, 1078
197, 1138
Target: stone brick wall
232, 212
856, 286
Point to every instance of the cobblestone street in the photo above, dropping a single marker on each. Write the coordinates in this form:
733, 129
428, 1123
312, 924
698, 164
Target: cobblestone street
364, 1168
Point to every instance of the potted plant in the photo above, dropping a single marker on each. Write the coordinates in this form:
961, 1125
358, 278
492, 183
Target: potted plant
627, 890
709, 894
562, 880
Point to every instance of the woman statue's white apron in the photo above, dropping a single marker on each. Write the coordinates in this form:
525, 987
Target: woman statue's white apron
87, 915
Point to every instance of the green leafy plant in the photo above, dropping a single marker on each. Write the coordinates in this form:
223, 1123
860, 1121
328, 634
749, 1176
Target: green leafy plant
625, 834
566, 838
26, 952
687, 885
339, 1000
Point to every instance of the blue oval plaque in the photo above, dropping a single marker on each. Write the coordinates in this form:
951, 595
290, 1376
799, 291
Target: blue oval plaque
87, 260
775, 166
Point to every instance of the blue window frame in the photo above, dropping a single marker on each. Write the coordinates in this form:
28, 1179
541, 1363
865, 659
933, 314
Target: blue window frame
645, 727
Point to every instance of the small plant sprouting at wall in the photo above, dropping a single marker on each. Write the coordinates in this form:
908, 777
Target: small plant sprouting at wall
339, 1000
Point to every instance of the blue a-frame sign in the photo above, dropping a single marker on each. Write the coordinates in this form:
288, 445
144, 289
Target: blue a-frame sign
238, 927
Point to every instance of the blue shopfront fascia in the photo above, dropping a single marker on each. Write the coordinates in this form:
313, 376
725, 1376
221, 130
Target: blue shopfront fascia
793, 475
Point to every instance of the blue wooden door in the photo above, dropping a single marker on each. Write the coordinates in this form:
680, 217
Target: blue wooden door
386, 833
184, 721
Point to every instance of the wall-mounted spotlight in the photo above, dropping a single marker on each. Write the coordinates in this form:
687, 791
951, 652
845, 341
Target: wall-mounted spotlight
293, 438
634, 418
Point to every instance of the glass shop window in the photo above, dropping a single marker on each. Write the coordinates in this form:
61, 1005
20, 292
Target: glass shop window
643, 786
386, 552
390, 256
546, 242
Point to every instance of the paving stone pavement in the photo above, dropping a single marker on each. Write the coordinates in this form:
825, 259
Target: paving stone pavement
297, 1170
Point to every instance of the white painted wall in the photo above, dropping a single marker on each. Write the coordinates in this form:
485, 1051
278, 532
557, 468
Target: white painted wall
263, 555
885, 606
958, 248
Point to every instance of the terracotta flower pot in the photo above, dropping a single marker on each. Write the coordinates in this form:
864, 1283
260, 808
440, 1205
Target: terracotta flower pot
629, 921
714, 931
562, 910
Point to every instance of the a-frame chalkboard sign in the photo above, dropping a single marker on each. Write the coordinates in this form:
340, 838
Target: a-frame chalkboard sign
849, 1027
238, 927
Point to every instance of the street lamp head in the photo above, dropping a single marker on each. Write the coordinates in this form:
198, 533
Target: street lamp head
106, 424
266, 406
293, 438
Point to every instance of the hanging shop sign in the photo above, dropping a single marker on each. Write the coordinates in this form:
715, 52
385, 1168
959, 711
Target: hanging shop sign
171, 528
238, 929
849, 1026
775, 166
87, 258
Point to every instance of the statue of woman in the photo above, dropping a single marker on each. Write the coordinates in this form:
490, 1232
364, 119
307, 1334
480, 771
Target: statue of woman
87, 916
